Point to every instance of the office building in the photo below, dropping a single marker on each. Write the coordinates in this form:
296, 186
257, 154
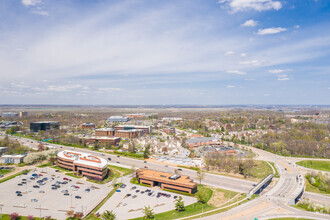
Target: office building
146, 129
9, 114
83, 164
117, 119
16, 159
22, 114
114, 141
87, 125
166, 180
169, 130
43, 126
105, 132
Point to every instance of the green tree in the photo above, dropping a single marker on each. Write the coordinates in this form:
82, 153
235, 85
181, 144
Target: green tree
200, 175
146, 151
179, 205
148, 212
108, 215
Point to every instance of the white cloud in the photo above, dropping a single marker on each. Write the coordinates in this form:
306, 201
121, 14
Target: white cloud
251, 62
31, 2
258, 5
65, 88
283, 79
250, 23
236, 72
110, 89
271, 31
229, 53
243, 54
282, 76
296, 26
231, 86
40, 12
279, 70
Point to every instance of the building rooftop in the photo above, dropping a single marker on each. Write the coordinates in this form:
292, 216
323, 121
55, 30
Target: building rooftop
83, 158
104, 129
165, 177
201, 139
140, 126
104, 138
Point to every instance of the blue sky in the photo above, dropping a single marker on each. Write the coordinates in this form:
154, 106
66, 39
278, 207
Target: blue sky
165, 52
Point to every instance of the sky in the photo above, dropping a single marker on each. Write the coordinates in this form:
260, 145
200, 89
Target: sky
201, 52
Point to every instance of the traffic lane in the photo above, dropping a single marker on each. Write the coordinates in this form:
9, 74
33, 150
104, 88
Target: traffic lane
318, 198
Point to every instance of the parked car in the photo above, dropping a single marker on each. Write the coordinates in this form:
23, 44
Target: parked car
18, 192
19, 184
66, 194
87, 190
78, 197
134, 196
36, 186
64, 191
34, 200
41, 191
109, 158
54, 187
145, 161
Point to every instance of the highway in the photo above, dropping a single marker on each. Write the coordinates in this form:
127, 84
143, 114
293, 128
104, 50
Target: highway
274, 201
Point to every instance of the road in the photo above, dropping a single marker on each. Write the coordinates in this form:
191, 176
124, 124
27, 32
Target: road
274, 202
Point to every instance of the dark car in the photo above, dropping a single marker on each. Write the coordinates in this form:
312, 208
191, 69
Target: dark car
118, 156
175, 197
78, 197
57, 171
19, 194
118, 162
137, 191
54, 187
145, 161
180, 169
20, 184
36, 186
66, 194
122, 186
109, 158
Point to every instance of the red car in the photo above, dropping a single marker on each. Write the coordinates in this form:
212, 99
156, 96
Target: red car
77, 187
65, 178
40, 175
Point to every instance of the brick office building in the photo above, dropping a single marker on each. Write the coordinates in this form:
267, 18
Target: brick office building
110, 140
110, 132
82, 163
129, 133
146, 129
166, 180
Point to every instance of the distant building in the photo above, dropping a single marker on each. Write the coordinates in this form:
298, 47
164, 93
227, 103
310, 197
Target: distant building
105, 132
172, 119
146, 129
23, 114
166, 180
12, 159
9, 114
118, 119
83, 163
199, 141
9, 124
87, 125
137, 115
110, 140
3, 150
43, 126
133, 133
169, 130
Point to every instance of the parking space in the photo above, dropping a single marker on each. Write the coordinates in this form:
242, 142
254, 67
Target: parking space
48, 193
129, 202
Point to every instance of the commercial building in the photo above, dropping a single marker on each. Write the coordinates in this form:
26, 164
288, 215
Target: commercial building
109, 140
83, 163
129, 133
12, 158
110, 132
87, 125
9, 114
9, 124
118, 119
23, 114
169, 130
166, 180
43, 125
200, 141
146, 129
3, 150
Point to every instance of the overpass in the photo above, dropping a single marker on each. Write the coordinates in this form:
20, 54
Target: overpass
261, 185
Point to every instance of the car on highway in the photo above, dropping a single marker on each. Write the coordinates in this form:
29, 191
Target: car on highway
145, 162
109, 158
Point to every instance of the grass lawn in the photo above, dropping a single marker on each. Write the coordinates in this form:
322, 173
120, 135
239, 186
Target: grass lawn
317, 165
73, 175
314, 189
116, 172
261, 169
6, 171
125, 171
13, 176
7, 217
276, 173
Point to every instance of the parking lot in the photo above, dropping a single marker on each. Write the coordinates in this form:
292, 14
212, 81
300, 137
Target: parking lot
129, 202
44, 192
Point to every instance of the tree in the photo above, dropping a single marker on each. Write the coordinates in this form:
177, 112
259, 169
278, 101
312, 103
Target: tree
13, 216
30, 217
146, 151
41, 147
179, 205
52, 160
108, 215
114, 182
148, 212
200, 175
201, 196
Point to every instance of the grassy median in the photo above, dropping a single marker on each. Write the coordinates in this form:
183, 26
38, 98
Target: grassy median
315, 164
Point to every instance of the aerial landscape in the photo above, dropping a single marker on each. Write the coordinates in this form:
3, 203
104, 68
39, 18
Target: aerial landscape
177, 109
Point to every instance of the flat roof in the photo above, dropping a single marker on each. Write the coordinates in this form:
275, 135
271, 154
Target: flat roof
104, 129
140, 126
83, 158
164, 177
104, 138
132, 130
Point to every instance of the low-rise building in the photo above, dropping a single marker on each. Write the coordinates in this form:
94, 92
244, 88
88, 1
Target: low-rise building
12, 158
200, 141
87, 125
169, 130
9, 114
146, 129
22, 114
43, 126
83, 163
129, 133
3, 150
105, 132
166, 180
114, 141
118, 119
